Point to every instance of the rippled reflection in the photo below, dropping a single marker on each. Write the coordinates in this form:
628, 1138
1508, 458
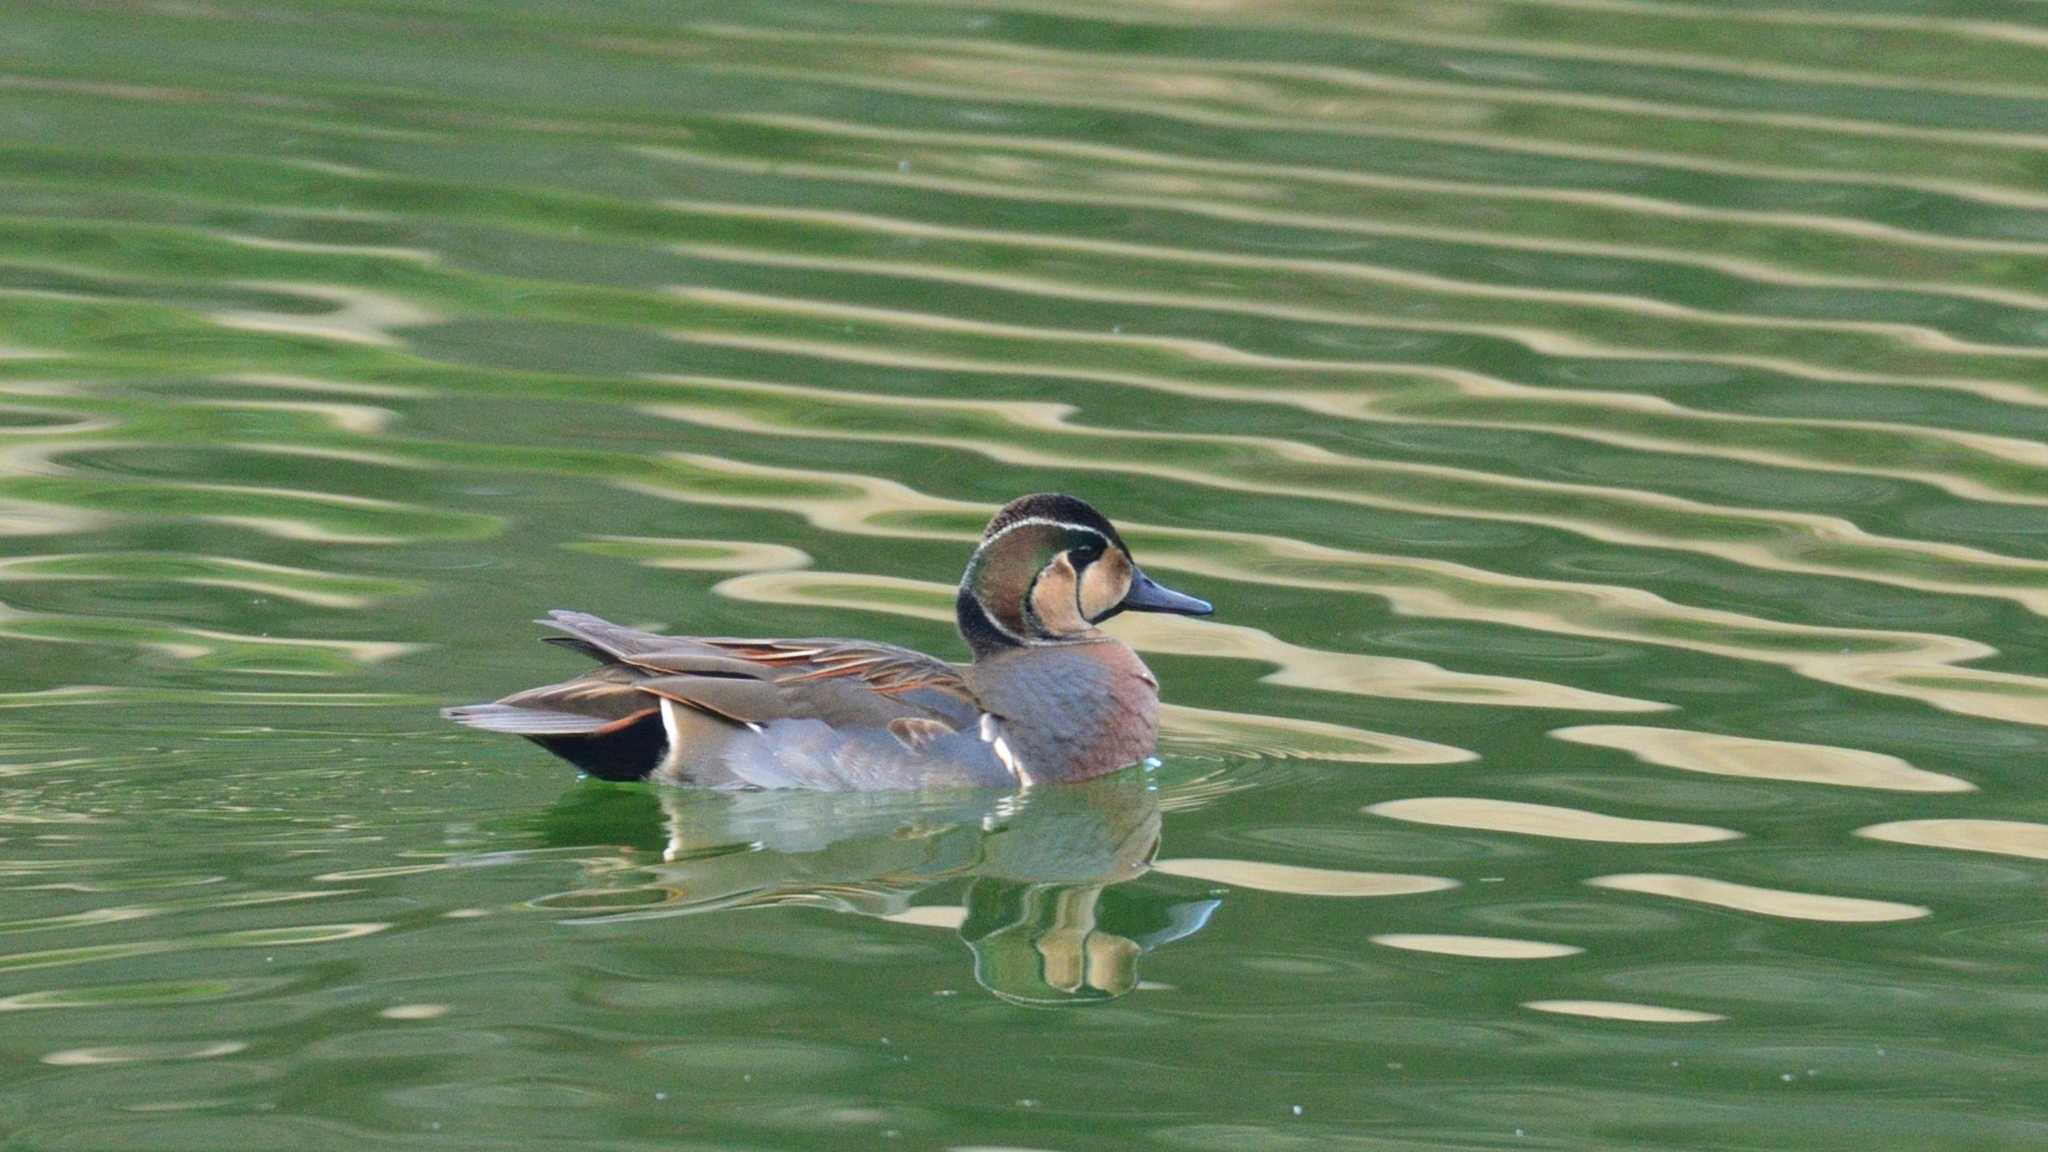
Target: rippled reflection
1033, 870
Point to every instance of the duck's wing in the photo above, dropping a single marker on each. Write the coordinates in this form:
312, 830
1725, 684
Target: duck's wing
599, 700
844, 683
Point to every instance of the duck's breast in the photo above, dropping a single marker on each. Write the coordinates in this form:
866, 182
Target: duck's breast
1071, 711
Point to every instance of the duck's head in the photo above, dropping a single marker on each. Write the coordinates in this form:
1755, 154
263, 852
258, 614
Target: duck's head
1048, 570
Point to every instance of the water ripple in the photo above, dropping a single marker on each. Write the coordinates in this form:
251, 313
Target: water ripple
1316, 293
2000, 837
1544, 820
1971, 465
1477, 947
1679, 322
360, 315
1052, 80
1622, 1010
1718, 754
1919, 666
1298, 881
1601, 225
1044, 434
1764, 901
1298, 667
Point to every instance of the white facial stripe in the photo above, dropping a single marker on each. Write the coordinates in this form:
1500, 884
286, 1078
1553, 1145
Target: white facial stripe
989, 618
1030, 521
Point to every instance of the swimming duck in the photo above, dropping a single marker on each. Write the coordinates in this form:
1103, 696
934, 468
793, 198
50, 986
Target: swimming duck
1048, 698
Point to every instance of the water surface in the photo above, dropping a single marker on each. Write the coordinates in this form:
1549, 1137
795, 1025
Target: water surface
1613, 435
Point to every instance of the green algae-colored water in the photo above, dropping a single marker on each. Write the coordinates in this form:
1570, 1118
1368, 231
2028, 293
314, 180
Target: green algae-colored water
1614, 434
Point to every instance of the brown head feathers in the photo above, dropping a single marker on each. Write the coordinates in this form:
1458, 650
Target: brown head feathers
1057, 507
1050, 568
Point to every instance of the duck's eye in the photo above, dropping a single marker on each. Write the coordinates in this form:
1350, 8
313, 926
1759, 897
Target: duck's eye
1085, 554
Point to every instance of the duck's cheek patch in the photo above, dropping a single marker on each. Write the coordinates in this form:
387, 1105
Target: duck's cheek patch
1104, 584
1054, 601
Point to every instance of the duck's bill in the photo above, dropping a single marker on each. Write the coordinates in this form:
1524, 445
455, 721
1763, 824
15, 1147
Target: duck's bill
1149, 595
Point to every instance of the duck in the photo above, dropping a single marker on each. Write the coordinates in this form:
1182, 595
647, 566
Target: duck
1047, 698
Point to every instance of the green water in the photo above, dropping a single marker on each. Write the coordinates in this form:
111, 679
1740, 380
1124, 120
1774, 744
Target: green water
1614, 434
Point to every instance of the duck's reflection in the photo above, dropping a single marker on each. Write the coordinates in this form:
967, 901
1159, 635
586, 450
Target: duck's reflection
1038, 868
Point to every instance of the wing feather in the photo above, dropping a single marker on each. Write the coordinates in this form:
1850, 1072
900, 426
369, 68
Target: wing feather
757, 680
528, 721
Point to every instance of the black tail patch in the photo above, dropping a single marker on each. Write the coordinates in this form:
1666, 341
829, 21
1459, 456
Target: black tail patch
628, 752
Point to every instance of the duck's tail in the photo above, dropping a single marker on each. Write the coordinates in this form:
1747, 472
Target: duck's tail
619, 747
